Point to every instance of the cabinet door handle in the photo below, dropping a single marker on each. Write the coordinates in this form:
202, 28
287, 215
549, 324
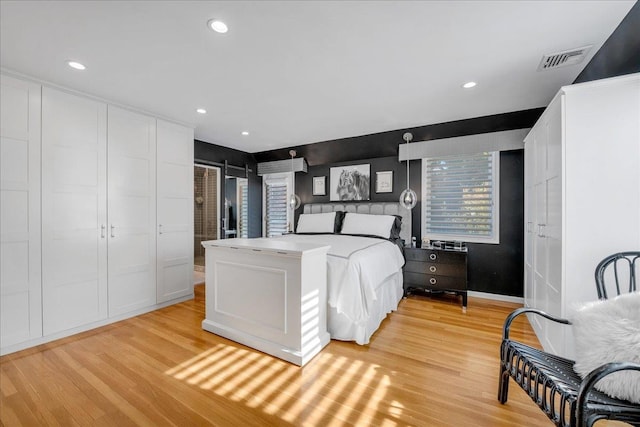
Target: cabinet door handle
103, 228
529, 226
113, 234
433, 281
432, 269
432, 257
159, 228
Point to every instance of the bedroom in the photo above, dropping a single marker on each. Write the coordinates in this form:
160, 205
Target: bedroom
494, 269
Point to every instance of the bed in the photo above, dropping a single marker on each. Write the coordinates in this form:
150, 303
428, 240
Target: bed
371, 286
262, 292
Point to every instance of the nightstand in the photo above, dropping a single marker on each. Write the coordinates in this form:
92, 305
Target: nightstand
436, 270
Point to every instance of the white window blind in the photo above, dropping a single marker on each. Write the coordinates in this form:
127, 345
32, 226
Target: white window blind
460, 197
275, 207
243, 204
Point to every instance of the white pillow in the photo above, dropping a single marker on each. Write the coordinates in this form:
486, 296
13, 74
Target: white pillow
371, 225
317, 223
609, 331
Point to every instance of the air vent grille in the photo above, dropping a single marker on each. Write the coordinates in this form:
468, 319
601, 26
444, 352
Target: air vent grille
563, 59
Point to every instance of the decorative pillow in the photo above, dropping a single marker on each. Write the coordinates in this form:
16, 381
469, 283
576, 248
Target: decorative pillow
317, 223
609, 331
397, 226
371, 225
339, 219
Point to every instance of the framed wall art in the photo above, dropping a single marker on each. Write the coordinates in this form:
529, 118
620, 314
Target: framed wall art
350, 182
319, 188
384, 182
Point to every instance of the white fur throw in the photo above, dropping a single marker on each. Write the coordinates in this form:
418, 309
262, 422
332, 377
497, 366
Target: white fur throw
609, 331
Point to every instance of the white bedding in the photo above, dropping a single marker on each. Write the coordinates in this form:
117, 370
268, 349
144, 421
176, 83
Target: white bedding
357, 266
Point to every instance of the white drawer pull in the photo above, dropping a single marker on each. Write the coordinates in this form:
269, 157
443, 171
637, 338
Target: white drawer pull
432, 269
432, 256
432, 281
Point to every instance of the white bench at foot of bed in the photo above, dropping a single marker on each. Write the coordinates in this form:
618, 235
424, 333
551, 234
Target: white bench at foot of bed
268, 294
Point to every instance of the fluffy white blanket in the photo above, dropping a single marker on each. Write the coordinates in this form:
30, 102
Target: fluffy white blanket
609, 331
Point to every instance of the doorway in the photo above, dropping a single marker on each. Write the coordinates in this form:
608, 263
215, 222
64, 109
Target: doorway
235, 221
206, 210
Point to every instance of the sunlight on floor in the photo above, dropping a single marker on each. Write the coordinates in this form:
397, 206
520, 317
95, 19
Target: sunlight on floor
353, 392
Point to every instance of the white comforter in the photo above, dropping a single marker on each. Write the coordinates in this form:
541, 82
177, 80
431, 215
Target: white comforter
356, 266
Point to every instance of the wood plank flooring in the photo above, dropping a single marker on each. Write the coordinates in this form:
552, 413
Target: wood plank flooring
428, 365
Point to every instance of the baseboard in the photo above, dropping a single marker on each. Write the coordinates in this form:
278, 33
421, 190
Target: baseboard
497, 297
69, 332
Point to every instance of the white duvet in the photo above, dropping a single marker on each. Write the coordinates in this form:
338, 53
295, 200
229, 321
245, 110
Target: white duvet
355, 268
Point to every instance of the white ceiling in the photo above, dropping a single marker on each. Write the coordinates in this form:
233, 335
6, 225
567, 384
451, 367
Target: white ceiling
293, 73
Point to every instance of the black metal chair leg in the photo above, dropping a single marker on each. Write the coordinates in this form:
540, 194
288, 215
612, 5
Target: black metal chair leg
503, 386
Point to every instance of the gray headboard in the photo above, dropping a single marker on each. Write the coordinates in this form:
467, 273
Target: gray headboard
373, 208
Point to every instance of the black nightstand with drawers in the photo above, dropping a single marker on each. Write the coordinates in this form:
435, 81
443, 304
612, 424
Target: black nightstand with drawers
433, 269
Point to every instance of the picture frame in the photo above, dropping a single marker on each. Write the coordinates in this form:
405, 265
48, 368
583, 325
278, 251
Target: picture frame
319, 188
352, 182
384, 182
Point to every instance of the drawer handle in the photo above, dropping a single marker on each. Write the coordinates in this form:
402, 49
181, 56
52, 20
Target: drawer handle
432, 281
432, 269
432, 256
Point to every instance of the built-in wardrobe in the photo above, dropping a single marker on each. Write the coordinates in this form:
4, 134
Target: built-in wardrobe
97, 213
582, 197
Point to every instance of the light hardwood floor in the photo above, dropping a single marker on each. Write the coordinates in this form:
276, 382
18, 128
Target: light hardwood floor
428, 365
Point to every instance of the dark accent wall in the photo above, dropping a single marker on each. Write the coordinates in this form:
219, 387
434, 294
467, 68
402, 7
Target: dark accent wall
304, 181
620, 54
492, 268
218, 154
499, 269
385, 144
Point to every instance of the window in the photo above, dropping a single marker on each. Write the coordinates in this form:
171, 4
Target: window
460, 197
276, 213
243, 208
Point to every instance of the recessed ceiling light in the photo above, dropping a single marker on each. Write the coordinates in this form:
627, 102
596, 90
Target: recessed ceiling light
76, 65
245, 133
469, 85
201, 111
217, 26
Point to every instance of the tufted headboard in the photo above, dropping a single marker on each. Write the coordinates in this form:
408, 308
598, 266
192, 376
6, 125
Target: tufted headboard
372, 208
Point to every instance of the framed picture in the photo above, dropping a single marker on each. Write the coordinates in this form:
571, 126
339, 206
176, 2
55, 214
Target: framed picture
318, 186
384, 182
350, 182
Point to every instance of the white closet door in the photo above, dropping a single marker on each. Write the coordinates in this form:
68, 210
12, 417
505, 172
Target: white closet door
553, 226
175, 211
131, 146
74, 223
20, 270
529, 221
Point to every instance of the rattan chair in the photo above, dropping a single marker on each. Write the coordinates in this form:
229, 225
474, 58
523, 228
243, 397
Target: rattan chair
551, 382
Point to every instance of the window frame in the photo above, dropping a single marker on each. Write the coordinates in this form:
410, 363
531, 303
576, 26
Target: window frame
281, 177
495, 211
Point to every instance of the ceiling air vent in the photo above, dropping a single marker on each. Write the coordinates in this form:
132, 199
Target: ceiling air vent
563, 59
